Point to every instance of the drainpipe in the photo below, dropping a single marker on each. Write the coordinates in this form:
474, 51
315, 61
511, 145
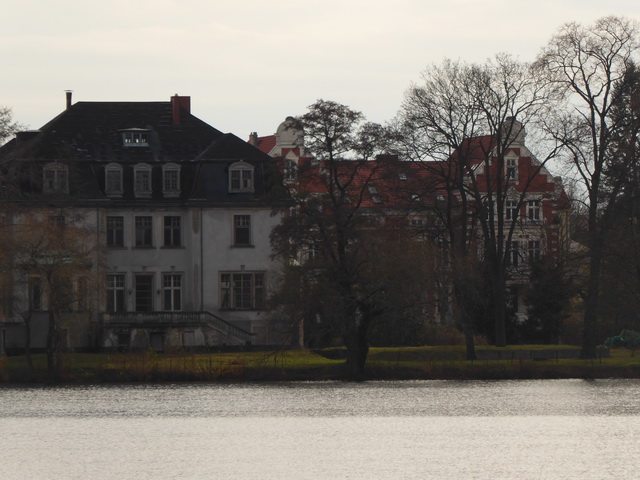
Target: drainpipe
201, 263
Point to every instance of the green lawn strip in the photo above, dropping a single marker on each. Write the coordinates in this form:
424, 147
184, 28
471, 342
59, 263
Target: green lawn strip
445, 362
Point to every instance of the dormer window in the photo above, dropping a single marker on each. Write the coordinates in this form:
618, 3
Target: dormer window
113, 179
171, 180
55, 178
142, 179
135, 137
240, 177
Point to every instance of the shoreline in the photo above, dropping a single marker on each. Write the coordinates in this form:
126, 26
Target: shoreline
408, 363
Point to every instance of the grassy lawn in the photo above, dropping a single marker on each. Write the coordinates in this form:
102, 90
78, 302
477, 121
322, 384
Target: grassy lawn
444, 362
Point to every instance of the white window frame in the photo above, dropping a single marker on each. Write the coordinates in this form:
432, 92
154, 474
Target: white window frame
534, 251
375, 196
511, 210
142, 188
241, 178
242, 290
511, 168
135, 137
143, 227
170, 185
172, 299
290, 170
172, 231
115, 224
534, 210
116, 293
110, 186
513, 253
241, 223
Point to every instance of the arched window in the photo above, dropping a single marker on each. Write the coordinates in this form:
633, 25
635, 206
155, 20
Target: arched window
113, 179
241, 177
55, 178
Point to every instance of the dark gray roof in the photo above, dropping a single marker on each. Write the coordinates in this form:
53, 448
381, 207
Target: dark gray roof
89, 135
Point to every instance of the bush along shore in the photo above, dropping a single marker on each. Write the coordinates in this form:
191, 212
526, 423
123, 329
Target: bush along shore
408, 363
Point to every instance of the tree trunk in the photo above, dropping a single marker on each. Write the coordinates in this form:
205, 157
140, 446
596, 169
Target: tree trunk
27, 341
52, 347
590, 327
499, 309
356, 341
470, 345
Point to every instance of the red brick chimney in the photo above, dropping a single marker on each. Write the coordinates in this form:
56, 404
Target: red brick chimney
179, 104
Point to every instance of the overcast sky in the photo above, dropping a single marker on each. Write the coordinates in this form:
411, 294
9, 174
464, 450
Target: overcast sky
249, 64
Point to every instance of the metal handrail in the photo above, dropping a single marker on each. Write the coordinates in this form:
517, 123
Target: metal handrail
203, 317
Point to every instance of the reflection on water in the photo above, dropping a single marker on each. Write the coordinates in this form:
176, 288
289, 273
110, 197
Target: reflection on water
561, 429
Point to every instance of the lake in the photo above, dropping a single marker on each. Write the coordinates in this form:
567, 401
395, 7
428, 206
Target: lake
547, 429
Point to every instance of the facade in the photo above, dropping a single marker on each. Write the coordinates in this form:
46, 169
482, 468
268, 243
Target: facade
180, 222
412, 198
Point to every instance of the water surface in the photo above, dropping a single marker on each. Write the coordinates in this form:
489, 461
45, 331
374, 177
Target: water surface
549, 429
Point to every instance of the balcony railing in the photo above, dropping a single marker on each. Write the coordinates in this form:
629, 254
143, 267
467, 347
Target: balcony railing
177, 319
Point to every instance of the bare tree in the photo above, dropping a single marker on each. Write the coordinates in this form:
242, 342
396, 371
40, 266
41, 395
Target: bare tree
326, 219
57, 258
461, 122
7, 125
588, 63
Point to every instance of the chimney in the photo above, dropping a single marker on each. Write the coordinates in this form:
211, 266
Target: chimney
253, 139
179, 104
69, 93
515, 130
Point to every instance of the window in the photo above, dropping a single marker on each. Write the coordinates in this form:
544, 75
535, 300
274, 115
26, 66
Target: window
171, 180
115, 231
135, 137
312, 251
242, 291
403, 177
533, 210
55, 178
242, 230
172, 292
142, 176
144, 232
241, 177
35, 293
513, 254
375, 196
144, 293
172, 234
290, 170
115, 293
512, 169
534, 251
113, 179
511, 209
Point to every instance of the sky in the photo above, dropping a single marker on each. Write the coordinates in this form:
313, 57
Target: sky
249, 64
